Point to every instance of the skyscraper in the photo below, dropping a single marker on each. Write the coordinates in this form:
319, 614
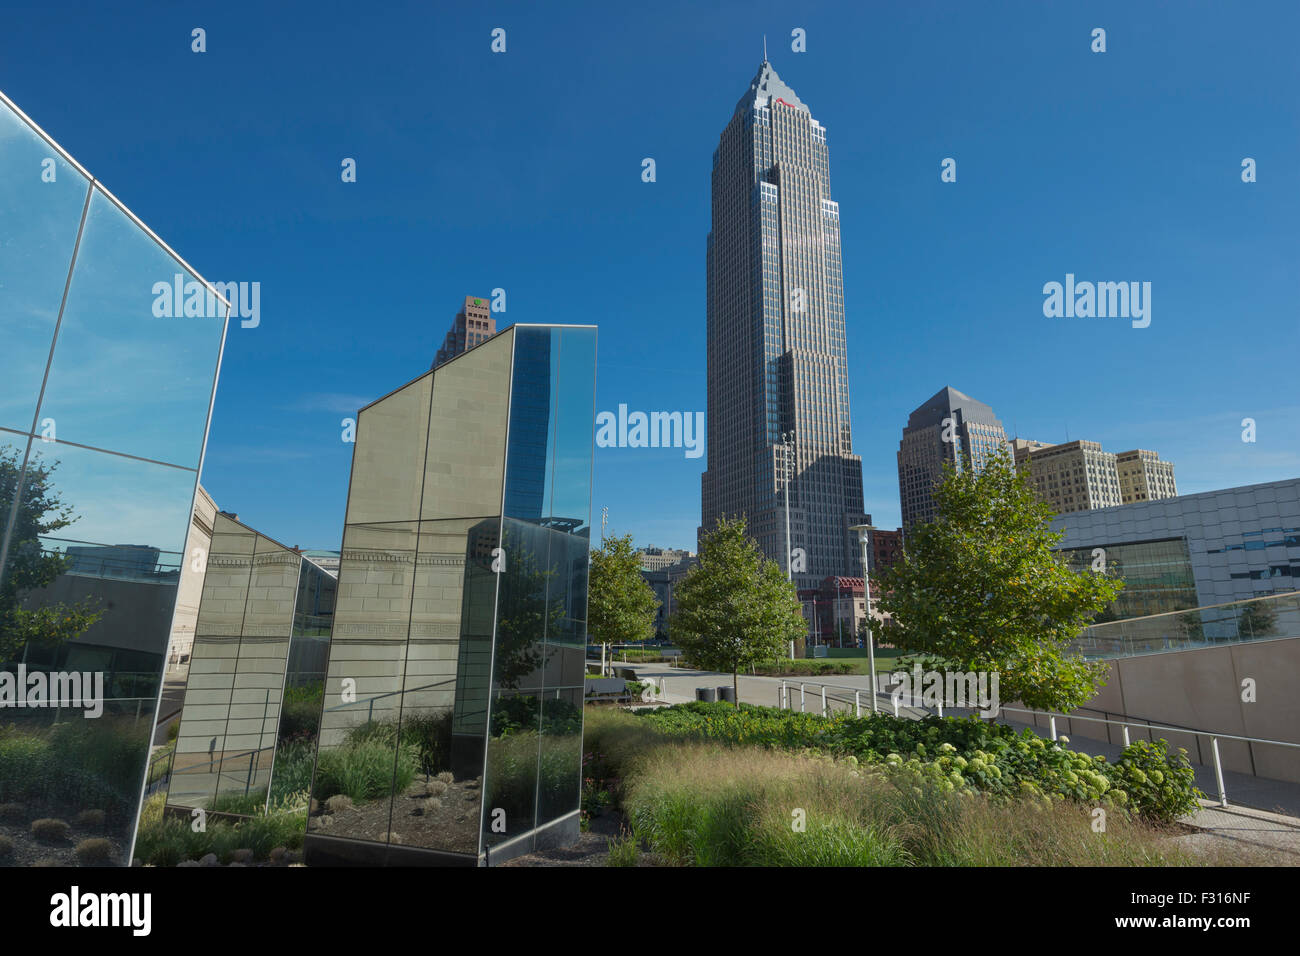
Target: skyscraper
473, 324
777, 360
950, 427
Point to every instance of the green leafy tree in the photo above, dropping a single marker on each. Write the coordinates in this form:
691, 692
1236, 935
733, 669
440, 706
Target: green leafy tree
530, 611
1257, 619
620, 604
735, 607
40, 512
981, 589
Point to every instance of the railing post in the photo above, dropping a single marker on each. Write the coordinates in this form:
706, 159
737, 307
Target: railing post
803, 707
780, 697
823, 700
894, 698
1052, 725
1126, 735
939, 707
857, 703
1218, 772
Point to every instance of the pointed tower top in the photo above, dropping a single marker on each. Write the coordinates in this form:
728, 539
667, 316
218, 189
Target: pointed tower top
764, 47
766, 87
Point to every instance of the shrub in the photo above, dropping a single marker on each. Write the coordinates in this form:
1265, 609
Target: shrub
365, 767
90, 818
949, 753
624, 851
430, 735
168, 840
301, 710
241, 804
14, 812
95, 851
49, 830
294, 760
1156, 784
6, 847
714, 805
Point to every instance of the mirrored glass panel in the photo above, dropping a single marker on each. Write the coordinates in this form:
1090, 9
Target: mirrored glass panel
41, 198
358, 769
86, 604
534, 747
128, 373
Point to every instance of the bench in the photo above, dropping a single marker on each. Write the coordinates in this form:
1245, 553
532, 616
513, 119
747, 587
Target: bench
606, 688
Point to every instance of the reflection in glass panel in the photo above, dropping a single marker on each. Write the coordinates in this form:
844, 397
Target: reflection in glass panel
535, 745
88, 609
359, 765
41, 197
455, 665
230, 719
201, 751
89, 567
128, 374
304, 686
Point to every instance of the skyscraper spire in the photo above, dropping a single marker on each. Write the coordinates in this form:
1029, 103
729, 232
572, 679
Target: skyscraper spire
764, 47
778, 385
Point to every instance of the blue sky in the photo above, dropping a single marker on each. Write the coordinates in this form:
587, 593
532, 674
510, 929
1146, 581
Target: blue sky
522, 171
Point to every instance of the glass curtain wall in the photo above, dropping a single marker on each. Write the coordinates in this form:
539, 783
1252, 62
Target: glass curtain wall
105, 392
459, 632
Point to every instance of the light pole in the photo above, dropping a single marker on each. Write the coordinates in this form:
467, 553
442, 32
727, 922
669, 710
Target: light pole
864, 538
787, 439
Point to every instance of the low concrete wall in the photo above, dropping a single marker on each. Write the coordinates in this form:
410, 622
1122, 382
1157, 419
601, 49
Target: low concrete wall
1202, 689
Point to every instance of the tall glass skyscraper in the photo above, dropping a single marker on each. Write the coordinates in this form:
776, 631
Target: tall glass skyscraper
777, 360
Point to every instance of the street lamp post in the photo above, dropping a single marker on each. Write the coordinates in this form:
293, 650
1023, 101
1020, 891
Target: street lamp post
864, 538
787, 439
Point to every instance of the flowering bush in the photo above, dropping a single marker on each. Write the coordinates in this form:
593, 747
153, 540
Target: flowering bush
965, 755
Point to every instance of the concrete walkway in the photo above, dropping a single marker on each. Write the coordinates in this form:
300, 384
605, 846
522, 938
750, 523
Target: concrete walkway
1261, 811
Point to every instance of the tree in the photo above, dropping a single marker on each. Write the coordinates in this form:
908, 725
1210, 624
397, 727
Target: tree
982, 589
620, 604
735, 607
28, 568
1257, 619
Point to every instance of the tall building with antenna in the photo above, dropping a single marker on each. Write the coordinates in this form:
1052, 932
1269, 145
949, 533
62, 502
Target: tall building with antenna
777, 356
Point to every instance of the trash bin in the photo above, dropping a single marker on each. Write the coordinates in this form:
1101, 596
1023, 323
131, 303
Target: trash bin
727, 694
709, 694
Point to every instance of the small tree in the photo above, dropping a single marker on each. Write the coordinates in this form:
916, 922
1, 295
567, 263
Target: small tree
620, 604
735, 607
981, 588
28, 568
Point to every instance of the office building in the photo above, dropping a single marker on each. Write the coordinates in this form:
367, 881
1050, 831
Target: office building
1144, 477
457, 656
663, 580
1079, 476
656, 559
777, 355
1074, 476
951, 428
886, 549
473, 324
105, 396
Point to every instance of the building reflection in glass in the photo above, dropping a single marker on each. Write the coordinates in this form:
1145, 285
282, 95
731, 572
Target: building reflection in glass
452, 725
256, 675
104, 407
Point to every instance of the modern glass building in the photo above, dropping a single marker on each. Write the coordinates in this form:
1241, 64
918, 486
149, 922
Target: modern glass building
451, 731
256, 672
1199, 550
105, 397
